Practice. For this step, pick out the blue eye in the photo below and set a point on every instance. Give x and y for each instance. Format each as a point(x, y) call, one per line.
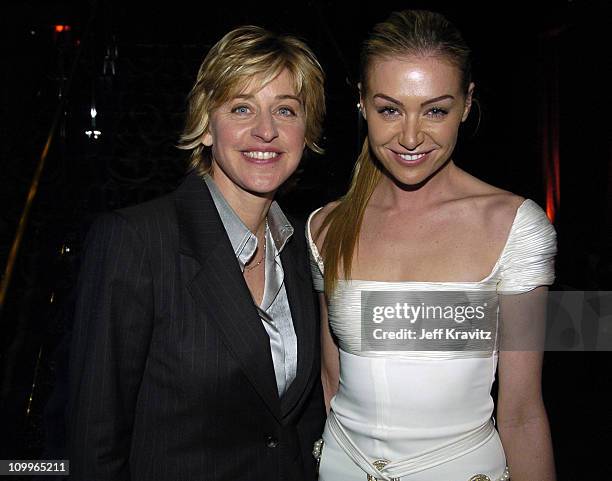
point(241, 110)
point(286, 112)
point(437, 112)
point(388, 111)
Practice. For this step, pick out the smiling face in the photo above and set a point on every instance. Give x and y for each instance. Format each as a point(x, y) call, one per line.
point(257, 137)
point(414, 106)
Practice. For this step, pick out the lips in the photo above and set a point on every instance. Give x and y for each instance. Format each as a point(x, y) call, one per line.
point(411, 159)
point(262, 156)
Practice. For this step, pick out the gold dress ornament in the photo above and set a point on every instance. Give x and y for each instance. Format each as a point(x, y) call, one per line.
point(483, 477)
point(379, 464)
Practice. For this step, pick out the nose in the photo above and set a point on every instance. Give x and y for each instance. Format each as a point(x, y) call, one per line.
point(412, 134)
point(264, 127)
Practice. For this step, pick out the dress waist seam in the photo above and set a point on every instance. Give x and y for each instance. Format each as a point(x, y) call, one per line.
point(424, 460)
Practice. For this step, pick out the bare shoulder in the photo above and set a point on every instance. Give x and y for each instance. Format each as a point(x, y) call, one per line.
point(318, 235)
point(493, 206)
point(499, 211)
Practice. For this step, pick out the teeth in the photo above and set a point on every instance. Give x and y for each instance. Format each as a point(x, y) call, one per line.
point(411, 157)
point(261, 155)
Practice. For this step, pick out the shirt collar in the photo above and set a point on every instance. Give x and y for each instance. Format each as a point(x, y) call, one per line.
point(244, 242)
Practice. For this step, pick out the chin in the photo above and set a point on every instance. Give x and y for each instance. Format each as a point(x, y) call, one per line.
point(407, 176)
point(408, 181)
point(264, 185)
point(413, 176)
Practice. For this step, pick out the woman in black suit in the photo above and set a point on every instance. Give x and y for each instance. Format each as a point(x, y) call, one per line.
point(195, 351)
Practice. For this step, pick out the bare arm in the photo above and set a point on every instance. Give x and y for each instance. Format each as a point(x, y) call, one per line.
point(330, 362)
point(521, 417)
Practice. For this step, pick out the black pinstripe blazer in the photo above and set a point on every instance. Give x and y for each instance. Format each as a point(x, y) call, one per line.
point(171, 372)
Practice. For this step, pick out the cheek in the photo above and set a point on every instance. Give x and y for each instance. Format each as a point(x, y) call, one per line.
point(380, 132)
point(295, 135)
point(449, 132)
point(228, 136)
point(444, 132)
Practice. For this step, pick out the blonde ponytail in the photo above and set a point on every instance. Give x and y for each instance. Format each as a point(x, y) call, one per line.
point(345, 220)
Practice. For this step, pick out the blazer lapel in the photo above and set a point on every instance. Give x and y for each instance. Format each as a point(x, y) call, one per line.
point(299, 293)
point(220, 290)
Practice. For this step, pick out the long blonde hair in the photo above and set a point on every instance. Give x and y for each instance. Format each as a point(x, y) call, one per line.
point(406, 33)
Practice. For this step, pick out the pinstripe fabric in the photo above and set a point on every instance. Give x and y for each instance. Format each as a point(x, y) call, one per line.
point(171, 372)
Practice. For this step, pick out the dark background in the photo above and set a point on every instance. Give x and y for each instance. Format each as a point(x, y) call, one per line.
point(529, 57)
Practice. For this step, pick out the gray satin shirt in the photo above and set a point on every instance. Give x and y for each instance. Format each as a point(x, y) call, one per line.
point(274, 309)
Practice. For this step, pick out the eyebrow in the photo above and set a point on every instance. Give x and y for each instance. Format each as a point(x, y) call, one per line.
point(427, 102)
point(278, 97)
point(289, 97)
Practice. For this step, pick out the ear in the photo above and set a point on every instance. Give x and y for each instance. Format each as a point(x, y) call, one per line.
point(361, 105)
point(468, 102)
point(207, 138)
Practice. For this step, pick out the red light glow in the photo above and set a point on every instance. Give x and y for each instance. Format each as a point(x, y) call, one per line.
point(62, 28)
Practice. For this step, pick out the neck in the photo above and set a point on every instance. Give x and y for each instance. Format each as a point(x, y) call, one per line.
point(251, 208)
point(435, 188)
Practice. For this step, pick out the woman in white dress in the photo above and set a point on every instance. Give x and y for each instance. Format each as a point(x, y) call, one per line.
point(413, 222)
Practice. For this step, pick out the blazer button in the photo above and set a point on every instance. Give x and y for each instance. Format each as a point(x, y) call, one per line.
point(271, 441)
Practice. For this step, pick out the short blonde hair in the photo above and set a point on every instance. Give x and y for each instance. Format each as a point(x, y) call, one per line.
point(241, 55)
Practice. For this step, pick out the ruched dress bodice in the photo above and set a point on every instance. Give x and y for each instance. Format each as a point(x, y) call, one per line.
point(401, 404)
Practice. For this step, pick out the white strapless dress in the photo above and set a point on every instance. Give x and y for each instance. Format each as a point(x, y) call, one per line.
point(430, 409)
